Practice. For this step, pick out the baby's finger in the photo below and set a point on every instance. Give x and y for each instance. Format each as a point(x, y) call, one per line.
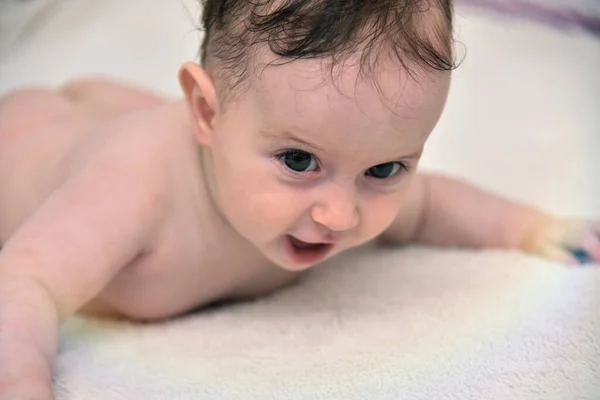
point(571, 233)
point(559, 255)
point(591, 244)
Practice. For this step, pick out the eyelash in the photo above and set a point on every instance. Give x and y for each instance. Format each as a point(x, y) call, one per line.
point(279, 158)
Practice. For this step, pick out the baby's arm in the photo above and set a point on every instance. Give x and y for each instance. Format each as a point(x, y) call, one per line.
point(448, 212)
point(64, 255)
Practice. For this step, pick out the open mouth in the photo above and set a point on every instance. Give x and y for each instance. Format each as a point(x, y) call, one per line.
point(306, 253)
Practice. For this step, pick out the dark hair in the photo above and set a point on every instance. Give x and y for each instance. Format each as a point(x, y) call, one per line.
point(419, 31)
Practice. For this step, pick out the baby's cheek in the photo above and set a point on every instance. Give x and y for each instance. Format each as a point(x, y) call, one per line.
point(261, 210)
point(380, 214)
point(273, 206)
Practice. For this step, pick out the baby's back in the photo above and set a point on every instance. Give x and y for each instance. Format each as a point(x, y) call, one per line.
point(44, 133)
point(38, 130)
point(47, 138)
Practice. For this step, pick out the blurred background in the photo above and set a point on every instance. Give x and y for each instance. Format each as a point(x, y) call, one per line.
point(523, 117)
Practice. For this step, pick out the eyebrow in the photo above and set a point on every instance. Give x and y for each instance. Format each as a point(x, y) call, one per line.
point(416, 154)
point(287, 135)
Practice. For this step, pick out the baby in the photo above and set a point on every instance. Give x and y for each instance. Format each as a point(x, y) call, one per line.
point(298, 138)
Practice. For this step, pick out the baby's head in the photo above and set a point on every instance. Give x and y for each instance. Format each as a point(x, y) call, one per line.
point(312, 115)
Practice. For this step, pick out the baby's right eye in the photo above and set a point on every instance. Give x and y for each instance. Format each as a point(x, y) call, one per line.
point(299, 161)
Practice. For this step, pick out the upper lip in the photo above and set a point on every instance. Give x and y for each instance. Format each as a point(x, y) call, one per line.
point(324, 241)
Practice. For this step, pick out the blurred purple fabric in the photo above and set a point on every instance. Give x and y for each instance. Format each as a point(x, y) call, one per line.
point(583, 15)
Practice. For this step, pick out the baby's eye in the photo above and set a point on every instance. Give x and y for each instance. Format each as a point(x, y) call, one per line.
point(386, 170)
point(299, 161)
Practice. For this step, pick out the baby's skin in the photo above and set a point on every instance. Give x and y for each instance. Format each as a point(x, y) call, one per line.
point(119, 203)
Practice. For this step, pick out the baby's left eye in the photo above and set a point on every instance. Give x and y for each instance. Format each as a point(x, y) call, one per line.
point(385, 170)
point(299, 161)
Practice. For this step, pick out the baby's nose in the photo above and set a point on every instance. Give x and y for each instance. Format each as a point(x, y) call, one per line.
point(339, 213)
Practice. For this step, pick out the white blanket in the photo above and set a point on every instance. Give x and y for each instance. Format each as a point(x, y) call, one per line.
point(405, 323)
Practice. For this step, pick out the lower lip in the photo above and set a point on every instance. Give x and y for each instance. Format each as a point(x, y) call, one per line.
point(306, 256)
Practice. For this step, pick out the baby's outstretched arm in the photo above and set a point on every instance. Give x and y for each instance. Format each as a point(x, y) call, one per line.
point(448, 212)
point(95, 224)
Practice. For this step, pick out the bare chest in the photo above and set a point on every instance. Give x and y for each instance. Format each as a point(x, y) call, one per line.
point(186, 271)
point(196, 260)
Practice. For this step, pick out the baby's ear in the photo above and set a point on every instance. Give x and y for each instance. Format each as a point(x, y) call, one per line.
point(201, 98)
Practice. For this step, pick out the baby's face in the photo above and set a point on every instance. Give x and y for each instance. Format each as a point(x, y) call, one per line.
point(304, 169)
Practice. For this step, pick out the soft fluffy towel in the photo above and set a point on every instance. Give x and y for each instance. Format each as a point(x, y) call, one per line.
point(404, 323)
point(401, 324)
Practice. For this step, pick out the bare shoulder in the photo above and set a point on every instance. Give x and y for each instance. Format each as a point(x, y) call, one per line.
point(28, 109)
point(47, 137)
point(77, 214)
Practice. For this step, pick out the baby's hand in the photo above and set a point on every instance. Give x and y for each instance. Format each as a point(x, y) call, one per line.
point(570, 241)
